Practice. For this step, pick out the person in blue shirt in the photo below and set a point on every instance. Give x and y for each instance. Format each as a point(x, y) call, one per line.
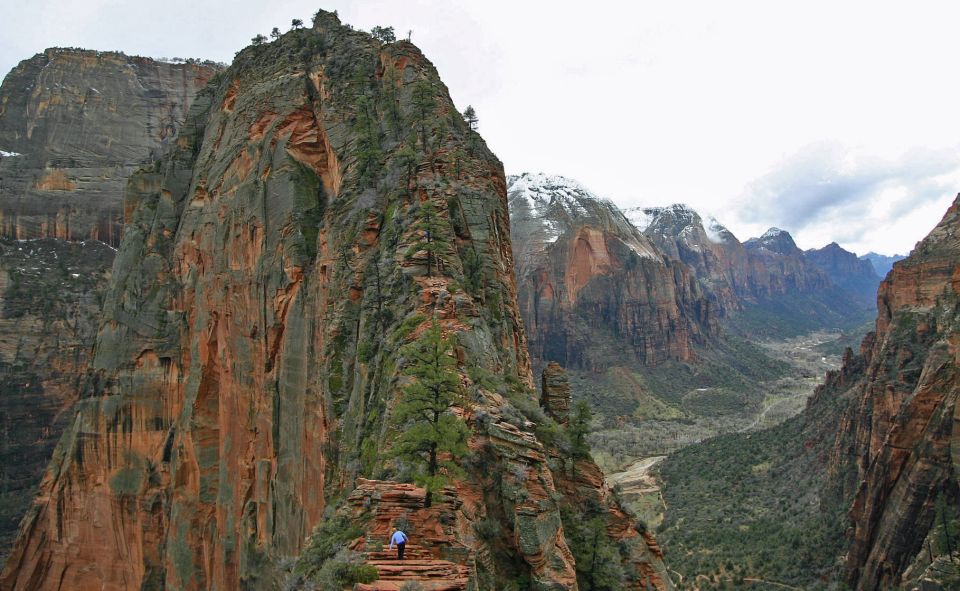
point(400, 539)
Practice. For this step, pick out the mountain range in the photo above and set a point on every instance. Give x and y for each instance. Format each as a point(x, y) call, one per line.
point(224, 288)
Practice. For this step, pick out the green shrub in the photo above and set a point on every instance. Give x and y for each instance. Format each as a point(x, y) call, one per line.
point(329, 538)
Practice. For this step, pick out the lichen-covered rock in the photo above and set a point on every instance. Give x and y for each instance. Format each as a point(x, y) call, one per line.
point(272, 267)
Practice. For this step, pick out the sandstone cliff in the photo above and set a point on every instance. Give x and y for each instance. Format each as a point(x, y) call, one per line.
point(902, 429)
point(249, 353)
point(78, 123)
point(765, 286)
point(595, 292)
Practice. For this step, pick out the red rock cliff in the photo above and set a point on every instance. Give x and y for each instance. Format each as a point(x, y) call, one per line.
point(249, 349)
point(898, 442)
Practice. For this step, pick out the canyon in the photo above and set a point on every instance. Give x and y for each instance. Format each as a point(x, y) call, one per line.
point(240, 370)
point(212, 279)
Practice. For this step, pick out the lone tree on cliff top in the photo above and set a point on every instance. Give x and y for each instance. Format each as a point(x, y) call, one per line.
point(432, 437)
point(470, 116)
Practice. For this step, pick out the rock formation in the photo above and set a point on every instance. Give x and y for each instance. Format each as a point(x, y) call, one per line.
point(76, 124)
point(593, 291)
point(323, 201)
point(73, 126)
point(555, 395)
point(902, 429)
point(846, 271)
point(766, 284)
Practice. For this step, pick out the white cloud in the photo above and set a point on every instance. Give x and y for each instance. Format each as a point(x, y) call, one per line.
point(648, 103)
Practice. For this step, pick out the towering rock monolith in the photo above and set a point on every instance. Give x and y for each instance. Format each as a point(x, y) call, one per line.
point(324, 204)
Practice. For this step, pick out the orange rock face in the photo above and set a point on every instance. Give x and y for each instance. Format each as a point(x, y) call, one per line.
point(901, 429)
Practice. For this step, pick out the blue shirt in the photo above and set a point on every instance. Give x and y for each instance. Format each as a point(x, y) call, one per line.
point(398, 537)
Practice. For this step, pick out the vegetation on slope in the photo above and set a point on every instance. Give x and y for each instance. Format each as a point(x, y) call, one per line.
point(759, 506)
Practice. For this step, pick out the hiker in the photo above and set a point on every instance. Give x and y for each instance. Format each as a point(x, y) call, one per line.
point(400, 539)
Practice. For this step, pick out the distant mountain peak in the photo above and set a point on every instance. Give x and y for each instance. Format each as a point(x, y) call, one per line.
point(774, 240)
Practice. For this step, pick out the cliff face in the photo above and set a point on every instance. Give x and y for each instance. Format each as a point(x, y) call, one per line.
point(50, 302)
point(593, 290)
point(902, 429)
point(786, 268)
point(272, 266)
point(765, 285)
point(79, 123)
point(846, 271)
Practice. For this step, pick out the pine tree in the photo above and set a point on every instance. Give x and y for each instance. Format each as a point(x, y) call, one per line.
point(432, 437)
point(258, 40)
point(383, 34)
point(470, 116)
point(407, 158)
point(369, 153)
point(296, 23)
point(423, 105)
point(578, 430)
point(430, 237)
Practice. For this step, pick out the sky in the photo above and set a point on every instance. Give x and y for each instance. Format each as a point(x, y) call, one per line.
point(836, 121)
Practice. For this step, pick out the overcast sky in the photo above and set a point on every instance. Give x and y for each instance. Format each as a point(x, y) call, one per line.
point(833, 120)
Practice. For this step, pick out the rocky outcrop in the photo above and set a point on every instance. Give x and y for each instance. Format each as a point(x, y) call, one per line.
point(902, 429)
point(555, 395)
point(593, 291)
point(78, 123)
point(323, 202)
point(846, 271)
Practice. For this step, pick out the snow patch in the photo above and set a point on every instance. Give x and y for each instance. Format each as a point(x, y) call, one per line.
point(5, 154)
point(640, 218)
point(772, 233)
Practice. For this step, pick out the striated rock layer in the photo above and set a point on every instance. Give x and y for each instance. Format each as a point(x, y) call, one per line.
point(897, 441)
point(78, 124)
point(271, 268)
point(74, 125)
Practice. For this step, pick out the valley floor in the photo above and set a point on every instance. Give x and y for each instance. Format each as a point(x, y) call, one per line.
point(723, 509)
point(635, 473)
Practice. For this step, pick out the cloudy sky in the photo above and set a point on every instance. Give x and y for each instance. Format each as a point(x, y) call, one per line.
point(834, 120)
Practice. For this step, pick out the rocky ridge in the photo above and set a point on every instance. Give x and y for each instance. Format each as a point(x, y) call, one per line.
point(846, 271)
point(902, 426)
point(242, 369)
